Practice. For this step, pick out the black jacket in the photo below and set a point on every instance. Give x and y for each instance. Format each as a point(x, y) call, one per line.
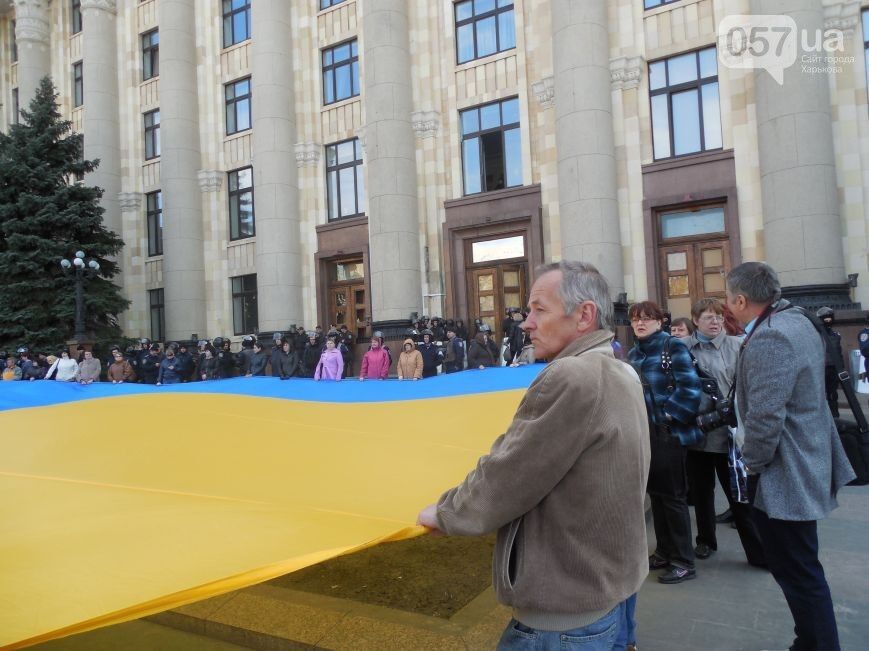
point(482, 354)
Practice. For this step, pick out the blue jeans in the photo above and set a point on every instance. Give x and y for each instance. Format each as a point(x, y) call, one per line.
point(612, 631)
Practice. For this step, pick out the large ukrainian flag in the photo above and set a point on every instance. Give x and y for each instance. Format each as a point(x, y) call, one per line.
point(119, 501)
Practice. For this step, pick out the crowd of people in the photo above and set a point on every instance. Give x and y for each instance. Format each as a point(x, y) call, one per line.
point(431, 346)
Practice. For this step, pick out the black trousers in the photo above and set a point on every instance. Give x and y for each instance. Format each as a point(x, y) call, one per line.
point(831, 384)
point(668, 492)
point(702, 469)
point(791, 549)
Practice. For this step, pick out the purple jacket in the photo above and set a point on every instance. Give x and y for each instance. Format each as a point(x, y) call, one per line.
point(330, 365)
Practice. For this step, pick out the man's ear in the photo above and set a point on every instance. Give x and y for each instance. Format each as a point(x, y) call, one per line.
point(586, 316)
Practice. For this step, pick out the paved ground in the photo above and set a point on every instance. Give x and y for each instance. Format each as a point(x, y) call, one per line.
point(729, 607)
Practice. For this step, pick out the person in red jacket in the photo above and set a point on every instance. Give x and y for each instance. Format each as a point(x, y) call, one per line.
point(376, 362)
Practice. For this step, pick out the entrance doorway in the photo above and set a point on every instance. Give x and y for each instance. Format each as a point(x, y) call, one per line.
point(497, 280)
point(692, 263)
point(348, 297)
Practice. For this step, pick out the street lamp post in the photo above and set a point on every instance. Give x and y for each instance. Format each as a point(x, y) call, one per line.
point(79, 268)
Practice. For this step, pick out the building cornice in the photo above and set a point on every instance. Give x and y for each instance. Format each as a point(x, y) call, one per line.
point(308, 154)
point(626, 72)
point(544, 92)
point(210, 180)
point(129, 201)
point(843, 15)
point(100, 5)
point(426, 124)
point(31, 21)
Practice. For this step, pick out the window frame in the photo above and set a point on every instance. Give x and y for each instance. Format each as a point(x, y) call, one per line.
point(235, 196)
point(150, 53)
point(357, 164)
point(157, 301)
point(502, 128)
point(152, 134)
point(154, 222)
point(659, 3)
point(494, 13)
point(669, 91)
point(77, 84)
point(230, 16)
point(233, 105)
point(240, 294)
point(328, 4)
point(332, 67)
point(75, 18)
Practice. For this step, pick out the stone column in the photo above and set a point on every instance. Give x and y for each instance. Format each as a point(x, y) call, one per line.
point(278, 248)
point(802, 231)
point(34, 56)
point(183, 263)
point(587, 186)
point(390, 161)
point(101, 124)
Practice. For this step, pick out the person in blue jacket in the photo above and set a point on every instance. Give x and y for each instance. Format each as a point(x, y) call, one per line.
point(672, 391)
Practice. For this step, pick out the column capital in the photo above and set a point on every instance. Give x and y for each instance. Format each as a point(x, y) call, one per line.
point(31, 21)
point(625, 72)
point(210, 180)
point(544, 92)
point(102, 5)
point(129, 201)
point(843, 15)
point(426, 124)
point(308, 153)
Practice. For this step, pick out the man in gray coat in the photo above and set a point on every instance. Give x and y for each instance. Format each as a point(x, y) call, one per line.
point(792, 449)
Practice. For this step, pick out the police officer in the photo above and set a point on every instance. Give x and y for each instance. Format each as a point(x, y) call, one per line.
point(140, 355)
point(833, 347)
point(185, 362)
point(169, 371)
point(246, 354)
point(149, 365)
point(431, 354)
point(310, 355)
point(226, 363)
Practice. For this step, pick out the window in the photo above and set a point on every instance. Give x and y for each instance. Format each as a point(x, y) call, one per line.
point(13, 42)
point(158, 314)
point(325, 4)
point(241, 219)
point(237, 106)
point(345, 183)
point(651, 4)
point(340, 72)
point(690, 223)
point(504, 248)
point(491, 148)
point(236, 21)
point(154, 215)
point(75, 17)
point(244, 310)
point(686, 115)
point(150, 54)
point(77, 84)
point(866, 41)
point(483, 27)
point(152, 134)
point(14, 116)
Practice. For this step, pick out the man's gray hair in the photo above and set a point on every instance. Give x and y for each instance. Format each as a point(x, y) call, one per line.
point(580, 282)
point(757, 281)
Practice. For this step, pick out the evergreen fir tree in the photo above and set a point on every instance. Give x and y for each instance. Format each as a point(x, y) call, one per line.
point(46, 215)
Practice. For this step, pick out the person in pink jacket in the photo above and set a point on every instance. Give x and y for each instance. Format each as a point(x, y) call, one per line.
point(375, 363)
point(331, 363)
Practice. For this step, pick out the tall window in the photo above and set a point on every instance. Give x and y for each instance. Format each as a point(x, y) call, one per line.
point(77, 84)
point(651, 4)
point(325, 4)
point(484, 27)
point(150, 54)
point(244, 308)
point(686, 113)
point(866, 42)
point(13, 42)
point(241, 218)
point(345, 184)
point(158, 314)
point(76, 16)
point(154, 214)
point(14, 116)
point(340, 72)
point(152, 134)
point(237, 106)
point(491, 147)
point(236, 21)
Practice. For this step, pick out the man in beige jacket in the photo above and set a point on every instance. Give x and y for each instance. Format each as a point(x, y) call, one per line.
point(565, 485)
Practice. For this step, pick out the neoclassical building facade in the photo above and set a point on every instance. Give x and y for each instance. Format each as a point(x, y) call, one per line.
point(278, 162)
